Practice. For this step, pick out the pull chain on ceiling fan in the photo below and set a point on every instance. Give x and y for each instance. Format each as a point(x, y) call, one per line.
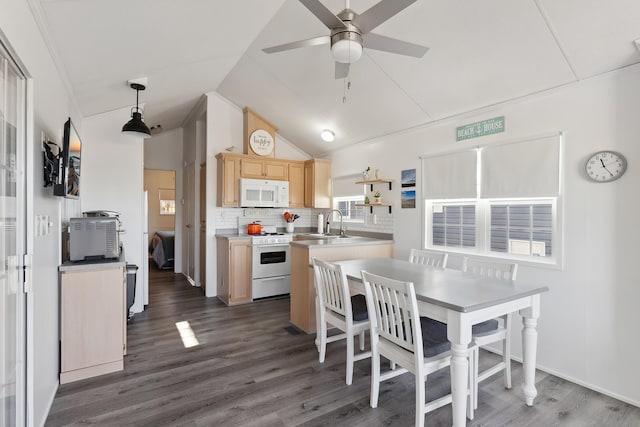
point(350, 33)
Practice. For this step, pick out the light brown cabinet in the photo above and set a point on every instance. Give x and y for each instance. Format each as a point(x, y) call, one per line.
point(258, 168)
point(228, 180)
point(317, 183)
point(296, 184)
point(93, 327)
point(309, 181)
point(234, 270)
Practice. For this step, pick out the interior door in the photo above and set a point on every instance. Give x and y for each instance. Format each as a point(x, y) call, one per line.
point(12, 244)
point(203, 226)
point(190, 220)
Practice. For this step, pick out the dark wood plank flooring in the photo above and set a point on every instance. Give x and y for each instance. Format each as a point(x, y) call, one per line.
point(249, 370)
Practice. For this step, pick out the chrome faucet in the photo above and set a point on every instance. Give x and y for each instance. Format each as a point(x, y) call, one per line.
point(328, 216)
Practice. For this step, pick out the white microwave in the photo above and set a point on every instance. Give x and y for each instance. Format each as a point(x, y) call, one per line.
point(264, 193)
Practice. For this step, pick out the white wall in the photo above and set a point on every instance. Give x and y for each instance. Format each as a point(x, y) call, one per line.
point(588, 327)
point(224, 129)
point(52, 106)
point(164, 152)
point(112, 179)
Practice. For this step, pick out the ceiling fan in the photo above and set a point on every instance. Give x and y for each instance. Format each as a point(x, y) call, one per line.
point(350, 32)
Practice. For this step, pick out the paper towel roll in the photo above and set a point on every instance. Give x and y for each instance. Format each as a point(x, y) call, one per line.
point(320, 223)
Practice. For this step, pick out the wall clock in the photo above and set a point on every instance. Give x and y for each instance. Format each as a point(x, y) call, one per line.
point(606, 166)
point(261, 142)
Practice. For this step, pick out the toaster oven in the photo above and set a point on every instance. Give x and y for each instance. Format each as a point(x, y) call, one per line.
point(94, 238)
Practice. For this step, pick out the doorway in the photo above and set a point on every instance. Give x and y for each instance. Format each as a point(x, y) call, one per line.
point(160, 187)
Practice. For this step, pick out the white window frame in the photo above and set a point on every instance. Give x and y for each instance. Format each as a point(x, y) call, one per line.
point(483, 229)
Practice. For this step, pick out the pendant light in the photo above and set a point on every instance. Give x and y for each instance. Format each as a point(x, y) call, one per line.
point(136, 125)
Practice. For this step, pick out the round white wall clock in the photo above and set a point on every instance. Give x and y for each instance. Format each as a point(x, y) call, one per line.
point(606, 166)
point(261, 142)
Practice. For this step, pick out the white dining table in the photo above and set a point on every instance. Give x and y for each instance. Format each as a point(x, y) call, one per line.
point(462, 300)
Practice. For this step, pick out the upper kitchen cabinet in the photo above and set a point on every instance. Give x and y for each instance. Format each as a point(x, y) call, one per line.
point(260, 168)
point(228, 179)
point(317, 183)
point(296, 184)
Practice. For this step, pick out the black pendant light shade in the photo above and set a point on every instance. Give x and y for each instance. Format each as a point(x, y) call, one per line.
point(136, 125)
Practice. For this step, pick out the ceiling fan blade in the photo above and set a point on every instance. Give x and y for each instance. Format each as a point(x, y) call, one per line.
point(342, 70)
point(388, 44)
point(323, 14)
point(316, 41)
point(378, 13)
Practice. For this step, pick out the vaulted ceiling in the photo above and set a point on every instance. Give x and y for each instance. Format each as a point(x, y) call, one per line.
point(480, 53)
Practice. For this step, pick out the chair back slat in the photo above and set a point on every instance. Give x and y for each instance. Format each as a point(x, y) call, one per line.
point(331, 287)
point(432, 258)
point(498, 270)
point(396, 311)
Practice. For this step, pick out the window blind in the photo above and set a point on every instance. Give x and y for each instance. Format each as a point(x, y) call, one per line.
point(450, 176)
point(346, 186)
point(523, 169)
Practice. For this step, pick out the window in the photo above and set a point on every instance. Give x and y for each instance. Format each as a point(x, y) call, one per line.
point(522, 229)
point(167, 207)
point(454, 225)
point(511, 228)
point(347, 205)
point(167, 197)
point(500, 200)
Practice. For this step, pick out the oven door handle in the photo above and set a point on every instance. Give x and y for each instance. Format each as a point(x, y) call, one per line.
point(284, 245)
point(274, 278)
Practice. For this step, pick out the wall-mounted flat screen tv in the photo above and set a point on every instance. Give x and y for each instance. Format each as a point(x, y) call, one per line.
point(68, 182)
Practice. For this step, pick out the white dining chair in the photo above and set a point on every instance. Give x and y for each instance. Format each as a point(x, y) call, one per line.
point(494, 330)
point(426, 257)
point(402, 336)
point(336, 307)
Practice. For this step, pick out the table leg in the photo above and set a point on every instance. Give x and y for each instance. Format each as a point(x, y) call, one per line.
point(529, 349)
point(459, 333)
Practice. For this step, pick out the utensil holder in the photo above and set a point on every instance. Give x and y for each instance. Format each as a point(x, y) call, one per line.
point(290, 227)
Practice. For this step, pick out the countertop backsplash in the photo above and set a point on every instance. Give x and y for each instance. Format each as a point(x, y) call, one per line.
point(228, 218)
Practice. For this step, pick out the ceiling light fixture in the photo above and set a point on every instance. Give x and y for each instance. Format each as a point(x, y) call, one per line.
point(327, 135)
point(346, 47)
point(136, 125)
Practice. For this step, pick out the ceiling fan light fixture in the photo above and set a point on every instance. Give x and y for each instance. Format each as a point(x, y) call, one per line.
point(136, 126)
point(346, 47)
point(327, 135)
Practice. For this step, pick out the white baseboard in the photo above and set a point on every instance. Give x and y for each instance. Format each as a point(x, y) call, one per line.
point(573, 380)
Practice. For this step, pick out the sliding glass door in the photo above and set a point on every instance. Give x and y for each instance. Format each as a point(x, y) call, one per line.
point(12, 243)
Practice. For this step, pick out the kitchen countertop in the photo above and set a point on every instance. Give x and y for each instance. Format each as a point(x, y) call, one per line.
point(340, 241)
point(94, 264)
point(314, 239)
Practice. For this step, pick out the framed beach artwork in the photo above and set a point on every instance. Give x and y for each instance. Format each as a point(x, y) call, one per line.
point(408, 184)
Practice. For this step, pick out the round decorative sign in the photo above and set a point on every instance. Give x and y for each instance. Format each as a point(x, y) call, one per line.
point(261, 142)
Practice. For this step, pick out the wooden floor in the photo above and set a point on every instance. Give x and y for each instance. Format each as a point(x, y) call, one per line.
point(249, 370)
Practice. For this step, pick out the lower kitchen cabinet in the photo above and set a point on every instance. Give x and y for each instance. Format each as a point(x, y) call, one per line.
point(93, 326)
point(234, 270)
point(303, 292)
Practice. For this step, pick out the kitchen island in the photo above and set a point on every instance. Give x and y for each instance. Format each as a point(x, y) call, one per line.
point(303, 294)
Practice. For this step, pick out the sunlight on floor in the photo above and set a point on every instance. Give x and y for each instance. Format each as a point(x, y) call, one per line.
point(186, 333)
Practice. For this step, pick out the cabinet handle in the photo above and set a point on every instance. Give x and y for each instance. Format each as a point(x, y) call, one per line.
point(273, 278)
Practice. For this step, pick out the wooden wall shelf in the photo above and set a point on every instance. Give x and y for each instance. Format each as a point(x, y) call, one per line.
point(371, 182)
point(372, 205)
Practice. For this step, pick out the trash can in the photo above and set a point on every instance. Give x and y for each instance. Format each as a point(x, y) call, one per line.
point(132, 271)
